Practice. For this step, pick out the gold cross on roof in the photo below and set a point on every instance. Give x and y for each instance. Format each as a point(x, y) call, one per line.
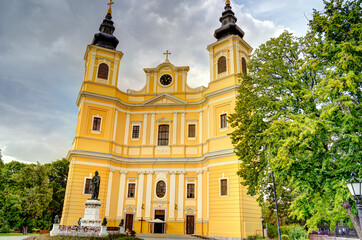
point(167, 53)
point(110, 6)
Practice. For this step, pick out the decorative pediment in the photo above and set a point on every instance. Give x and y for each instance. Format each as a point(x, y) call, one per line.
point(164, 98)
point(166, 64)
point(164, 120)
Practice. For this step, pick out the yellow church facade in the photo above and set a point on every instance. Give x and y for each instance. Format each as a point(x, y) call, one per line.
point(166, 162)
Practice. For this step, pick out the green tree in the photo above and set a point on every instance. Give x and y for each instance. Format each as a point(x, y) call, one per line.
point(1, 160)
point(58, 176)
point(31, 194)
point(298, 114)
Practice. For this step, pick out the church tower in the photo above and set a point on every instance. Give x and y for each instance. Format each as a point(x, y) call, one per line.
point(163, 153)
point(229, 54)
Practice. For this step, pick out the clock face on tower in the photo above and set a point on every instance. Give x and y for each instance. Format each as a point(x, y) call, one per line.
point(166, 79)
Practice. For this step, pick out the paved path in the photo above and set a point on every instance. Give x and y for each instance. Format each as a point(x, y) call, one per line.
point(146, 236)
point(14, 237)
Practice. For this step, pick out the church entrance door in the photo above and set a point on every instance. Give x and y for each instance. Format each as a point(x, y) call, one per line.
point(129, 222)
point(159, 227)
point(190, 224)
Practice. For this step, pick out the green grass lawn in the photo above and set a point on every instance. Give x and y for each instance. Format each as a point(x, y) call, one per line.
point(16, 234)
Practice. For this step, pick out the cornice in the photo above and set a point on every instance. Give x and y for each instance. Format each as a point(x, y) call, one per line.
point(229, 38)
point(154, 161)
point(142, 105)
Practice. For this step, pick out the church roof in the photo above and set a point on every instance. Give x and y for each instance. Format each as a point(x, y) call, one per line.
point(228, 21)
point(105, 36)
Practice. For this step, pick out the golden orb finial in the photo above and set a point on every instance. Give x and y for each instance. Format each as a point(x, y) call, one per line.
point(227, 2)
point(110, 7)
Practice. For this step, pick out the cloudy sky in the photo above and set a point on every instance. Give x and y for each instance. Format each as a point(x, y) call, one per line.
point(43, 43)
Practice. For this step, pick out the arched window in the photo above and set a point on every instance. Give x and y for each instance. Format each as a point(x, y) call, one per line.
point(221, 65)
point(243, 66)
point(163, 131)
point(103, 71)
point(161, 189)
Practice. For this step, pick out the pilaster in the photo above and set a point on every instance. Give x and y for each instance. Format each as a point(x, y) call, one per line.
point(144, 135)
point(126, 128)
point(109, 189)
point(182, 135)
point(141, 175)
point(200, 127)
point(122, 182)
point(115, 125)
point(152, 132)
point(172, 194)
point(174, 132)
point(199, 194)
point(180, 204)
point(148, 195)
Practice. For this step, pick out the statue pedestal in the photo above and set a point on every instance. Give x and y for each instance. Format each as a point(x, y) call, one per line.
point(121, 229)
point(91, 213)
point(103, 232)
point(55, 231)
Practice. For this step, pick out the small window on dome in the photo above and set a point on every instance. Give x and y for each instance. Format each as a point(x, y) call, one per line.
point(243, 66)
point(103, 71)
point(221, 65)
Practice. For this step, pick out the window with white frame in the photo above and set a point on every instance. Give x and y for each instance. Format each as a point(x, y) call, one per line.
point(190, 190)
point(243, 66)
point(163, 135)
point(223, 187)
point(96, 124)
point(103, 70)
point(223, 120)
point(191, 131)
point(87, 186)
point(221, 65)
point(131, 193)
point(136, 131)
point(161, 189)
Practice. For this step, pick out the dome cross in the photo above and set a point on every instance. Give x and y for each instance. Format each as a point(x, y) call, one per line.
point(110, 6)
point(167, 53)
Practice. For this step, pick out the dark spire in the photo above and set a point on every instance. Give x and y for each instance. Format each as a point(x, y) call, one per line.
point(228, 24)
point(105, 36)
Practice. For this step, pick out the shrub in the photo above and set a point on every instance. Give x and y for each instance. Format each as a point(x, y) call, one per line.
point(5, 228)
point(296, 232)
point(285, 237)
point(254, 237)
point(272, 231)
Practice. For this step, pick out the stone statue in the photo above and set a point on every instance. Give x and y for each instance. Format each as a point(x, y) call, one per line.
point(56, 219)
point(104, 223)
point(121, 223)
point(96, 180)
point(79, 222)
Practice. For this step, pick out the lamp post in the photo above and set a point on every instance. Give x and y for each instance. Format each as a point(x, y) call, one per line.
point(262, 225)
point(354, 186)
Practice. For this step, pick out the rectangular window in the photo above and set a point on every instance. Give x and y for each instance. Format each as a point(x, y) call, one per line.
point(223, 187)
point(131, 190)
point(136, 131)
point(96, 124)
point(87, 186)
point(191, 130)
point(163, 132)
point(223, 120)
point(191, 190)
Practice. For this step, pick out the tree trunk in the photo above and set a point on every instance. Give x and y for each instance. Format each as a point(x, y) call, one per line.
point(355, 220)
point(25, 230)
